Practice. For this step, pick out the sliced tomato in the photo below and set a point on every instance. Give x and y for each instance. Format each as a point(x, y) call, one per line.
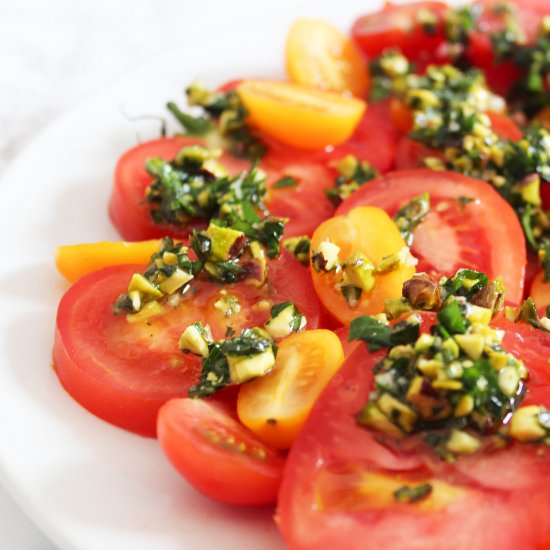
point(75, 260)
point(275, 406)
point(483, 234)
point(371, 234)
point(320, 55)
point(128, 209)
point(300, 116)
point(123, 372)
point(306, 204)
point(217, 455)
point(400, 26)
point(340, 477)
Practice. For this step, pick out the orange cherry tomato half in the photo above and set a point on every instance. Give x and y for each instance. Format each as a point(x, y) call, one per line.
point(369, 231)
point(299, 115)
point(320, 55)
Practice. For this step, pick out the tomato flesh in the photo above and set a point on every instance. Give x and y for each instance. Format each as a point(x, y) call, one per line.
point(398, 26)
point(217, 455)
point(339, 479)
point(124, 372)
point(484, 234)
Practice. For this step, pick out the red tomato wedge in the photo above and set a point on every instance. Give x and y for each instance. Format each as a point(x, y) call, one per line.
point(216, 454)
point(123, 372)
point(128, 209)
point(400, 26)
point(337, 489)
point(483, 234)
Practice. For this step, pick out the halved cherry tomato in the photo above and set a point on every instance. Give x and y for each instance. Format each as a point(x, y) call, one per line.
point(75, 260)
point(540, 290)
point(275, 406)
point(370, 232)
point(320, 55)
point(128, 208)
point(299, 115)
point(340, 477)
point(218, 456)
point(483, 234)
point(401, 27)
point(374, 140)
point(123, 372)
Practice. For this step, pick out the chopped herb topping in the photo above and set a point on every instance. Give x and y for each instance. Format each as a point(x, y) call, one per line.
point(485, 297)
point(412, 494)
point(284, 182)
point(528, 313)
point(194, 185)
point(353, 174)
point(388, 72)
point(411, 215)
point(235, 361)
point(299, 248)
point(223, 112)
point(167, 275)
point(379, 335)
point(455, 379)
point(238, 359)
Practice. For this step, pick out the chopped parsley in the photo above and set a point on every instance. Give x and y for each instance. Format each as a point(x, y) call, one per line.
point(352, 175)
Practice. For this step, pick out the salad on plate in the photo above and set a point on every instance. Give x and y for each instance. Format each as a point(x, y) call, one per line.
point(330, 294)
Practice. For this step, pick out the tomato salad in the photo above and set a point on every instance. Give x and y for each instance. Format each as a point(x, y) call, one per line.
point(331, 294)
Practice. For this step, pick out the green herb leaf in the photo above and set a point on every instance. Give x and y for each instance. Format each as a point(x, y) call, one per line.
point(284, 182)
point(452, 319)
point(412, 494)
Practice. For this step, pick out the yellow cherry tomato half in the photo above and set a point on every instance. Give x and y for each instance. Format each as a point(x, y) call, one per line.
point(299, 115)
point(540, 291)
point(276, 405)
point(320, 55)
point(75, 260)
point(369, 233)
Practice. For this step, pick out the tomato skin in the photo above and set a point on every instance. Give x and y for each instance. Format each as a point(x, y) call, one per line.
point(396, 26)
point(122, 374)
point(489, 237)
point(128, 208)
point(217, 469)
point(493, 485)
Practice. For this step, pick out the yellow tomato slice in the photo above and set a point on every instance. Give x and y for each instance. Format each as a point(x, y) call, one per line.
point(299, 115)
point(276, 406)
point(369, 231)
point(74, 261)
point(540, 291)
point(320, 55)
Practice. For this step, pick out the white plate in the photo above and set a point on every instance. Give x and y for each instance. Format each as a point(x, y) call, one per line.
point(85, 483)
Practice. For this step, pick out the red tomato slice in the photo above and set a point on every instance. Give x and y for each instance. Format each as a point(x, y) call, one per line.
point(307, 204)
point(502, 75)
point(484, 234)
point(322, 501)
point(124, 372)
point(399, 26)
point(217, 455)
point(128, 209)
